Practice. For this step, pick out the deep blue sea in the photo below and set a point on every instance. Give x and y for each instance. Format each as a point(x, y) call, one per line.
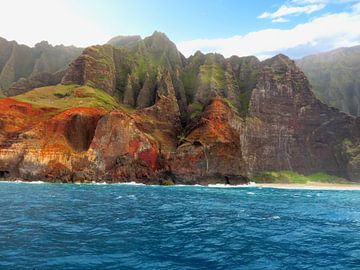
point(63, 226)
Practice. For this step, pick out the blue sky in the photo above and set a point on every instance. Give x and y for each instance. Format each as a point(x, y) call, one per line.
point(262, 28)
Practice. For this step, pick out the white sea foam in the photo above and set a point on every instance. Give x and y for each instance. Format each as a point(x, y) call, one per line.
point(118, 183)
point(6, 182)
point(130, 184)
point(98, 183)
point(251, 184)
point(250, 193)
point(181, 185)
point(35, 182)
point(24, 182)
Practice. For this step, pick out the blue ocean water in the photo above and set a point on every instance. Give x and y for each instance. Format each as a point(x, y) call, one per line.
point(55, 226)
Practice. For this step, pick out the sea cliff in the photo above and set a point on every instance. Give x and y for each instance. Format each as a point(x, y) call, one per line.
point(143, 112)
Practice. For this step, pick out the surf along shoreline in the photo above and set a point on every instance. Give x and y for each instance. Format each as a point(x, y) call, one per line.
point(309, 185)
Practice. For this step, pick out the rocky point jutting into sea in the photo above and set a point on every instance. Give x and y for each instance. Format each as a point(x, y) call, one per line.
point(138, 110)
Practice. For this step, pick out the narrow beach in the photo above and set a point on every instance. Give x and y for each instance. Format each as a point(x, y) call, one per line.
point(311, 185)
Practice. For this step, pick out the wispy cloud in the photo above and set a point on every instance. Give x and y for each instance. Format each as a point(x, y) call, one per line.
point(323, 33)
point(285, 10)
point(280, 20)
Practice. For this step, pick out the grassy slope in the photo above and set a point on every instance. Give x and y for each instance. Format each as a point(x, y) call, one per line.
point(63, 97)
point(290, 177)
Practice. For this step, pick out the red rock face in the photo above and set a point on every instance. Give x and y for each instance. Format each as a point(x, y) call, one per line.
point(82, 143)
point(45, 143)
point(123, 151)
point(136, 146)
point(75, 126)
point(212, 149)
point(17, 117)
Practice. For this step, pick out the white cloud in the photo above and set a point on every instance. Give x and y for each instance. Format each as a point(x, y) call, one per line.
point(280, 20)
point(291, 10)
point(264, 15)
point(58, 22)
point(329, 31)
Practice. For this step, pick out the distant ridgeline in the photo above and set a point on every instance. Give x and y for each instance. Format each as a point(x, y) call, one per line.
point(335, 77)
point(138, 110)
point(23, 68)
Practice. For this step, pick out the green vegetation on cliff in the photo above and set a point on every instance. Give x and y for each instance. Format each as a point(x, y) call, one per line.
point(212, 76)
point(351, 150)
point(130, 71)
point(290, 177)
point(63, 97)
point(195, 109)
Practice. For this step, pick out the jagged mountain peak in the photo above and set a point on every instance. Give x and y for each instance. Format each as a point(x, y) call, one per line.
point(159, 35)
point(250, 58)
point(159, 41)
point(279, 60)
point(42, 44)
point(123, 41)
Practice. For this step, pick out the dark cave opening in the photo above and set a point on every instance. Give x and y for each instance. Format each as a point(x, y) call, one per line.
point(4, 174)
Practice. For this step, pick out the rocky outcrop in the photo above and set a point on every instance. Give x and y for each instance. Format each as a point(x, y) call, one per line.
point(211, 75)
point(132, 86)
point(289, 129)
point(147, 93)
point(137, 146)
point(123, 151)
point(132, 72)
point(44, 147)
point(95, 67)
point(210, 150)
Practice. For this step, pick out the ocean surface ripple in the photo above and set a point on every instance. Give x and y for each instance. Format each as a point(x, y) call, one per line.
point(58, 226)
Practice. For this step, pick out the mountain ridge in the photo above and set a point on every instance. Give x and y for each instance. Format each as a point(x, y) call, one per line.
point(34, 66)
